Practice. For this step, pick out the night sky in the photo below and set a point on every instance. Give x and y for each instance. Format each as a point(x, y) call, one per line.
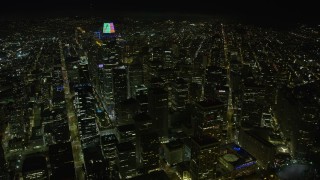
point(259, 11)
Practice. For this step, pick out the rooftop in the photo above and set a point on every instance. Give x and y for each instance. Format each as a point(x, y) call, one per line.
point(207, 104)
point(260, 139)
point(158, 90)
point(172, 145)
point(205, 141)
point(33, 163)
point(238, 156)
point(141, 117)
point(125, 146)
point(125, 128)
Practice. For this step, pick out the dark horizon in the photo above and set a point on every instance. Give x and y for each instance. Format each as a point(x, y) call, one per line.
point(262, 13)
point(157, 90)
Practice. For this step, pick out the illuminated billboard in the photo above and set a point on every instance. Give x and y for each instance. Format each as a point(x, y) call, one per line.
point(108, 28)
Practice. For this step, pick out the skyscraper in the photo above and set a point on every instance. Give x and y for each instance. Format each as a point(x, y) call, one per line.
point(216, 84)
point(94, 163)
point(108, 145)
point(149, 154)
point(208, 119)
point(168, 60)
point(135, 77)
point(106, 77)
point(158, 110)
point(61, 161)
point(119, 84)
point(204, 154)
point(180, 94)
point(35, 167)
point(84, 106)
point(260, 148)
point(253, 103)
point(126, 161)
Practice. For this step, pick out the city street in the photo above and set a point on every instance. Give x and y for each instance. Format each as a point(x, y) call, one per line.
point(73, 122)
point(230, 111)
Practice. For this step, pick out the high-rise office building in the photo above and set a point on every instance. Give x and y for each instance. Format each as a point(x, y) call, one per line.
point(119, 84)
point(84, 75)
point(125, 133)
point(149, 151)
point(208, 119)
point(173, 152)
point(155, 63)
point(106, 78)
point(126, 110)
point(140, 90)
point(167, 74)
point(217, 52)
point(35, 167)
point(142, 122)
point(204, 154)
point(301, 106)
point(108, 144)
point(135, 77)
point(94, 163)
point(253, 104)
point(180, 92)
point(158, 110)
point(194, 92)
point(61, 161)
point(258, 147)
point(84, 106)
point(157, 54)
point(87, 130)
point(168, 59)
point(156, 82)
point(142, 100)
point(216, 84)
point(126, 153)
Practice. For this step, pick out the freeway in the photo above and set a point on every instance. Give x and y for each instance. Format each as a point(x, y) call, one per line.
point(72, 121)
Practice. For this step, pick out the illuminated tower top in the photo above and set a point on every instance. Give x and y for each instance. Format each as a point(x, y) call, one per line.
point(108, 28)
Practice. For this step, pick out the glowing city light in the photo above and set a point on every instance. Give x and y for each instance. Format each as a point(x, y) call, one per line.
point(236, 148)
point(108, 28)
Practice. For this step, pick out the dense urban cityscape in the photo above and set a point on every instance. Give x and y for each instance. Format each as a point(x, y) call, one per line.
point(142, 98)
